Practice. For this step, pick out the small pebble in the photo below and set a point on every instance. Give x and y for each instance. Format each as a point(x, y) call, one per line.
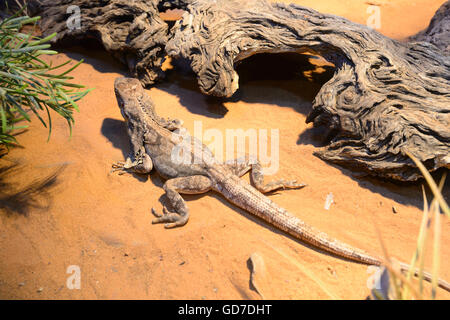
point(40, 290)
point(332, 271)
point(328, 201)
point(394, 209)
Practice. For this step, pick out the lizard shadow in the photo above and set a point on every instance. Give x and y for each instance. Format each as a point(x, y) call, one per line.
point(116, 132)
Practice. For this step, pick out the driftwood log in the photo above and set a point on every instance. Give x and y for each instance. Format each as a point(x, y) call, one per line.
point(164, 5)
point(386, 98)
point(438, 32)
point(132, 31)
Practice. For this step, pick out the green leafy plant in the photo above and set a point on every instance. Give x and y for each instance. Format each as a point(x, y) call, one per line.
point(28, 83)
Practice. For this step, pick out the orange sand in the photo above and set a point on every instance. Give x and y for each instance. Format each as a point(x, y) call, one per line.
point(100, 221)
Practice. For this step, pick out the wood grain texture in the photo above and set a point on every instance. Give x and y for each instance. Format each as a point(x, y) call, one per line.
point(173, 4)
point(385, 97)
point(438, 32)
point(132, 31)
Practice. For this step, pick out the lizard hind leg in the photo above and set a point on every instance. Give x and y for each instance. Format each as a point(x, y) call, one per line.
point(173, 188)
point(242, 165)
point(257, 176)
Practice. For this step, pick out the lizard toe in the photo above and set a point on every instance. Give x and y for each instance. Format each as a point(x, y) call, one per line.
point(179, 223)
point(168, 212)
point(156, 213)
point(294, 185)
point(171, 217)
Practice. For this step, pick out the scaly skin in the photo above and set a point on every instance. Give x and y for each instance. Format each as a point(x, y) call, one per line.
point(153, 140)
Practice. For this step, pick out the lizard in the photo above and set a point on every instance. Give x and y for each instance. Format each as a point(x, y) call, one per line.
point(153, 140)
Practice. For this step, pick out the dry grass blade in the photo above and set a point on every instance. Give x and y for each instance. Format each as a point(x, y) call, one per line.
point(420, 241)
point(306, 271)
point(403, 286)
point(436, 251)
point(434, 188)
point(437, 244)
point(397, 278)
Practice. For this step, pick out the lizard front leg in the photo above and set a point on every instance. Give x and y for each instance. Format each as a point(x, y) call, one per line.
point(138, 160)
point(173, 188)
point(241, 167)
point(170, 124)
point(142, 164)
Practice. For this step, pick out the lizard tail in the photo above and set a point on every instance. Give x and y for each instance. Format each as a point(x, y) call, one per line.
point(404, 268)
point(248, 198)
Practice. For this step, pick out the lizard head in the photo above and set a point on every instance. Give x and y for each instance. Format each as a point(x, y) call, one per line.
point(129, 93)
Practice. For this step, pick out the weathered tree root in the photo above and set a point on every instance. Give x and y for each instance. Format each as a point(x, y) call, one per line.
point(131, 30)
point(438, 32)
point(385, 98)
point(173, 4)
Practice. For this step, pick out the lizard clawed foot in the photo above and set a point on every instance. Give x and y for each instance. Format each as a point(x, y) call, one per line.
point(119, 166)
point(171, 219)
point(174, 124)
point(280, 185)
point(142, 165)
point(292, 184)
